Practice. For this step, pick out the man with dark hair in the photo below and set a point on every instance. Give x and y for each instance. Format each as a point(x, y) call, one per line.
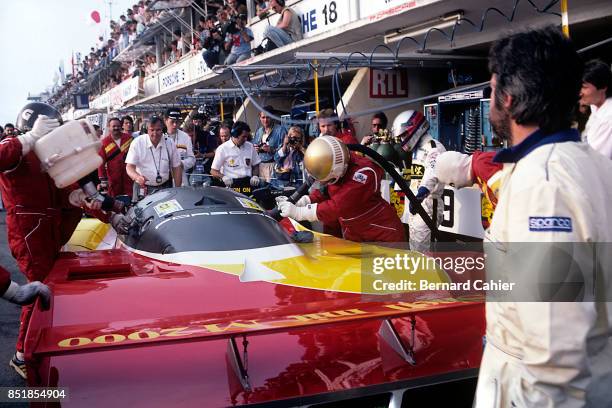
point(288, 28)
point(597, 92)
point(379, 123)
point(112, 173)
point(538, 352)
point(236, 158)
point(9, 130)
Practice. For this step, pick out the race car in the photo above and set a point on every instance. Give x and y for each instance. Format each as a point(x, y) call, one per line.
point(210, 301)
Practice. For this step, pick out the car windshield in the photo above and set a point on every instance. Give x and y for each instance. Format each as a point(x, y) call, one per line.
point(202, 219)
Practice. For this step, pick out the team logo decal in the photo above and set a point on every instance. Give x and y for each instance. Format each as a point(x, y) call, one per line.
point(360, 178)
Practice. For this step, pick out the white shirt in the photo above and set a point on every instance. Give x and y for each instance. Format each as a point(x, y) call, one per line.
point(598, 130)
point(549, 354)
point(185, 150)
point(234, 161)
point(153, 161)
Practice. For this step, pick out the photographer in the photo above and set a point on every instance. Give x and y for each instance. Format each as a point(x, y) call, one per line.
point(268, 138)
point(239, 37)
point(212, 43)
point(289, 159)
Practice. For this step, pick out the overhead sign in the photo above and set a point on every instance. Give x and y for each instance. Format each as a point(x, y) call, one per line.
point(388, 83)
point(174, 75)
point(81, 101)
point(316, 16)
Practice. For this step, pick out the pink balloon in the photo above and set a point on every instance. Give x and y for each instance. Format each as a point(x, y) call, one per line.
point(95, 16)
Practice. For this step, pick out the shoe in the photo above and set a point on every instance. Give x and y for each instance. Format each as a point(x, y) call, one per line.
point(258, 51)
point(19, 366)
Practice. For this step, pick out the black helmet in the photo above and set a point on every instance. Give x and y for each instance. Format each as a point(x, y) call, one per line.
point(29, 113)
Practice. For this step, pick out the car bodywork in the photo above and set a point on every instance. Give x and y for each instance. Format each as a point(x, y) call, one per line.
point(209, 302)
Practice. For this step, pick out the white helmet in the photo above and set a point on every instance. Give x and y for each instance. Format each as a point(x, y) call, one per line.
point(326, 159)
point(410, 126)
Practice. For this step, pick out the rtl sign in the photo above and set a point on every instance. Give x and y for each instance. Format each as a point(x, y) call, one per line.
point(388, 83)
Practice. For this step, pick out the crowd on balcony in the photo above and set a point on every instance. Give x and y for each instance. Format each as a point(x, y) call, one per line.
point(222, 37)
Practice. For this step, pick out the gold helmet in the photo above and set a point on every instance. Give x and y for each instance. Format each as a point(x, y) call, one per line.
point(326, 159)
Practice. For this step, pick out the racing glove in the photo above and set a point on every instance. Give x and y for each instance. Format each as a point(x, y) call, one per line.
point(227, 181)
point(41, 127)
point(254, 181)
point(304, 200)
point(421, 195)
point(26, 294)
point(306, 213)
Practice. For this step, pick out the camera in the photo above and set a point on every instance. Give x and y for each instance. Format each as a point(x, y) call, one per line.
point(293, 141)
point(232, 27)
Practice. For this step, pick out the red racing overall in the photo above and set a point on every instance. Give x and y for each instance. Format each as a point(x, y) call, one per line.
point(113, 168)
point(355, 202)
point(39, 217)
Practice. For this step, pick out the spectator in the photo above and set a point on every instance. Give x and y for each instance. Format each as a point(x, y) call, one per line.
point(224, 133)
point(207, 143)
point(127, 123)
point(181, 140)
point(288, 29)
point(213, 48)
point(289, 159)
point(240, 41)
point(597, 92)
point(9, 130)
point(112, 173)
point(261, 8)
point(379, 124)
point(181, 45)
point(268, 138)
point(153, 161)
point(236, 158)
point(331, 127)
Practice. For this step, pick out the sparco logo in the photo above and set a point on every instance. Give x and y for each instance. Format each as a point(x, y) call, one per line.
point(562, 224)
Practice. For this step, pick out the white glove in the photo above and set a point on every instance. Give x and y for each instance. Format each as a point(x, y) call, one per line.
point(227, 181)
point(280, 199)
point(303, 201)
point(254, 181)
point(26, 294)
point(41, 127)
point(121, 223)
point(307, 213)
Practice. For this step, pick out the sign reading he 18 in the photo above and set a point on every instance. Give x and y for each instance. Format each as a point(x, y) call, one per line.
point(317, 19)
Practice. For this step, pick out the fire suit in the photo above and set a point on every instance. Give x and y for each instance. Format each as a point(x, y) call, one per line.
point(549, 354)
point(355, 202)
point(347, 136)
point(39, 217)
point(113, 168)
point(598, 130)
point(422, 174)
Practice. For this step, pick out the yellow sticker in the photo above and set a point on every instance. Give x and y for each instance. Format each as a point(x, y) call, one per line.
point(246, 203)
point(167, 207)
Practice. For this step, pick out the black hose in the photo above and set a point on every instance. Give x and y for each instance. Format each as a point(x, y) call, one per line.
point(293, 198)
point(388, 167)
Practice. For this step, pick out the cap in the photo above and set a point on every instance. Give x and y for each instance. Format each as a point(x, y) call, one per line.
point(173, 113)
